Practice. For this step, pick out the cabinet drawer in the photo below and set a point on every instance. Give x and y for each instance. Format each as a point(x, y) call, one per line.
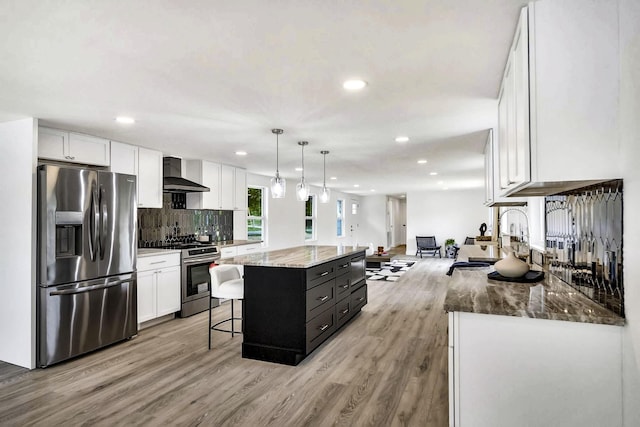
point(320, 328)
point(343, 266)
point(343, 311)
point(155, 262)
point(320, 273)
point(228, 252)
point(358, 299)
point(249, 249)
point(342, 286)
point(319, 298)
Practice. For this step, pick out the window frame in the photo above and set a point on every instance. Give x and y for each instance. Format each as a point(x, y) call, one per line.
point(313, 218)
point(263, 208)
point(340, 219)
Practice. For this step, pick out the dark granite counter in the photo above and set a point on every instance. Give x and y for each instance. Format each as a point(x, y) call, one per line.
point(471, 291)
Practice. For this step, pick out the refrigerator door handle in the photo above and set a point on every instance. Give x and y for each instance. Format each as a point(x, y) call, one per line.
point(103, 222)
point(89, 288)
point(94, 224)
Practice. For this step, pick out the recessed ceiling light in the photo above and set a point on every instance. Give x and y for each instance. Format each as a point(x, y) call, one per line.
point(440, 182)
point(334, 177)
point(433, 173)
point(356, 185)
point(125, 120)
point(241, 153)
point(372, 190)
point(354, 84)
point(402, 139)
point(422, 161)
point(298, 169)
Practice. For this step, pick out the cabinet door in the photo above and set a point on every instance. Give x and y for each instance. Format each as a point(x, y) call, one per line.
point(227, 187)
point(488, 169)
point(149, 178)
point(146, 296)
point(124, 158)
point(89, 149)
point(519, 166)
point(52, 144)
point(211, 178)
point(228, 252)
point(240, 198)
point(240, 225)
point(168, 291)
point(503, 128)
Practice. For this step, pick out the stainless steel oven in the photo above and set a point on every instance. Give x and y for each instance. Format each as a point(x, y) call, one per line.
point(196, 281)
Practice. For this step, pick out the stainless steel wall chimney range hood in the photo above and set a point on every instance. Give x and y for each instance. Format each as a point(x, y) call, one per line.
point(173, 182)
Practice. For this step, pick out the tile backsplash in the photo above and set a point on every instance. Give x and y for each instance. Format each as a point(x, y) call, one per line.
point(161, 227)
point(584, 242)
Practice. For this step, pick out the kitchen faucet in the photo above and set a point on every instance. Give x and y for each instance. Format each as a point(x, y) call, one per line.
point(521, 236)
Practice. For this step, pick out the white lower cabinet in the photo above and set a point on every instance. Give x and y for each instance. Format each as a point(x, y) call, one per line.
point(158, 286)
point(516, 371)
point(248, 249)
point(228, 251)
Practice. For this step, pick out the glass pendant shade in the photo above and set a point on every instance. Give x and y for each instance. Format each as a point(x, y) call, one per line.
point(278, 187)
point(278, 184)
point(302, 189)
point(325, 194)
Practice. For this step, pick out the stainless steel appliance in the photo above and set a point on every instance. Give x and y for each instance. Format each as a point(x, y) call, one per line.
point(196, 281)
point(86, 261)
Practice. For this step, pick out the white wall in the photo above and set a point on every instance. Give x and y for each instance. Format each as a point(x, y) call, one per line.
point(630, 146)
point(18, 142)
point(285, 217)
point(444, 214)
point(373, 228)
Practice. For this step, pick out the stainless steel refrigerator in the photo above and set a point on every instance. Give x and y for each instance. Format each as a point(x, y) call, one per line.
point(87, 296)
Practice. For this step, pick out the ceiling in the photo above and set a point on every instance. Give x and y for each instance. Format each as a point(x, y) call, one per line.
point(206, 78)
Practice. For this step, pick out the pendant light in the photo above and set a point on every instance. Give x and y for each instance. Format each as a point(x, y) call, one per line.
point(325, 194)
point(302, 189)
point(278, 184)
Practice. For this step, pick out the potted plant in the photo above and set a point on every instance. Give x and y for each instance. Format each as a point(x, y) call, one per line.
point(450, 248)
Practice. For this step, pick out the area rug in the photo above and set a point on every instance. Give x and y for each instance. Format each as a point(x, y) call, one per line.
point(390, 271)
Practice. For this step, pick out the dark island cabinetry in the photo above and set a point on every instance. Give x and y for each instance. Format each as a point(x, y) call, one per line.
point(289, 311)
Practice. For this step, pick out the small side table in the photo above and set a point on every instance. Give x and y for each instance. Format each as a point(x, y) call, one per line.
point(375, 261)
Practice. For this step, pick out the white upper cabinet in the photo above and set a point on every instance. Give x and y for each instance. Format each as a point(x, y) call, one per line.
point(228, 186)
point(558, 103)
point(149, 178)
point(492, 176)
point(73, 147)
point(240, 185)
point(124, 158)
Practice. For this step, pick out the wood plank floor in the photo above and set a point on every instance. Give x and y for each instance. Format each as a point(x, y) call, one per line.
point(388, 367)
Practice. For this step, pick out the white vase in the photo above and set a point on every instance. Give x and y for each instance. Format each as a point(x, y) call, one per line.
point(511, 266)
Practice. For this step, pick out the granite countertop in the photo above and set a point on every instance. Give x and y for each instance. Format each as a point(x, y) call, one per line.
point(471, 291)
point(297, 257)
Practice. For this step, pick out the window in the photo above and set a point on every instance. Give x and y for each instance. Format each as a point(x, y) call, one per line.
point(256, 219)
point(340, 216)
point(310, 218)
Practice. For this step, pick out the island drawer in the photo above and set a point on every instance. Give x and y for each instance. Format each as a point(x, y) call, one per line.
point(320, 328)
point(319, 298)
point(154, 262)
point(343, 311)
point(358, 298)
point(343, 266)
point(318, 274)
point(342, 286)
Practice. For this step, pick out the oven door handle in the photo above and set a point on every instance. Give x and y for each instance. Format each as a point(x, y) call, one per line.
point(199, 261)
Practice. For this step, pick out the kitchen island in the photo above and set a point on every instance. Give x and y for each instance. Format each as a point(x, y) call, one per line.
point(530, 353)
point(296, 298)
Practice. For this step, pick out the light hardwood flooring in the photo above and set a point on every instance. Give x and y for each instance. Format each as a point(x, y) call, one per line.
point(388, 367)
